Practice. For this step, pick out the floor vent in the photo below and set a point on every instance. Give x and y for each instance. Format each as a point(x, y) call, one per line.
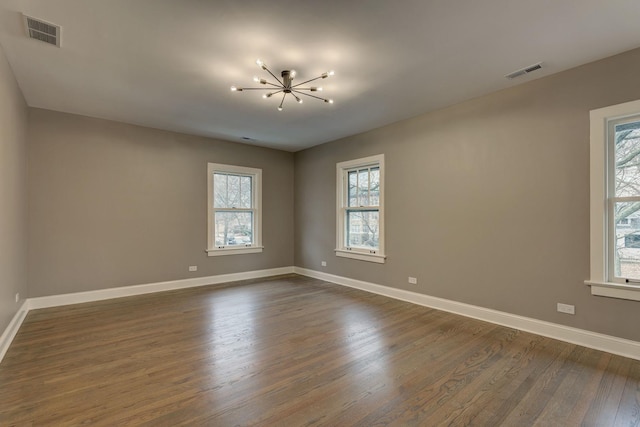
point(42, 31)
point(523, 71)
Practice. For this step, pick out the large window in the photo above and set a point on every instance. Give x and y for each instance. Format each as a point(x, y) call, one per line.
point(624, 200)
point(615, 201)
point(234, 210)
point(360, 212)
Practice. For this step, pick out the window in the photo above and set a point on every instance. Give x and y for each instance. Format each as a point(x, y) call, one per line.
point(360, 209)
point(234, 202)
point(615, 201)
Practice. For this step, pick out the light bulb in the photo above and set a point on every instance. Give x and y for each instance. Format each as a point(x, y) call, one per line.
point(256, 79)
point(293, 73)
point(329, 101)
point(260, 63)
point(233, 88)
point(265, 96)
point(279, 108)
point(316, 89)
point(332, 73)
point(299, 100)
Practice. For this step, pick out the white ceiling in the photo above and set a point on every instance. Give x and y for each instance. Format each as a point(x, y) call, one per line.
point(169, 64)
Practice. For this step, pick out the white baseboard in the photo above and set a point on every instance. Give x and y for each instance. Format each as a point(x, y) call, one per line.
point(610, 344)
point(126, 291)
point(102, 294)
point(12, 329)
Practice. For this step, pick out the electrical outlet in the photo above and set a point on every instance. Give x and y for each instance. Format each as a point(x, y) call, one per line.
point(324, 263)
point(413, 280)
point(17, 297)
point(193, 268)
point(566, 308)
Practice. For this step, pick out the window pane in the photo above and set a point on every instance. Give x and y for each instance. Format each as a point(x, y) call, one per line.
point(363, 229)
point(363, 187)
point(627, 158)
point(353, 188)
point(234, 191)
point(245, 192)
point(627, 240)
point(220, 190)
point(233, 228)
point(374, 187)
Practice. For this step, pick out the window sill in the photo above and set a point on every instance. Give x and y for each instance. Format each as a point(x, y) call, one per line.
point(362, 256)
point(234, 251)
point(614, 290)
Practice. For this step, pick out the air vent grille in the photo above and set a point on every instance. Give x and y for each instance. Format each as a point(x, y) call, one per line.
point(523, 71)
point(42, 31)
point(533, 68)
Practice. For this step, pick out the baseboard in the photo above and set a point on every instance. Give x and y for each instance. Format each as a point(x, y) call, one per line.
point(126, 291)
point(102, 294)
point(12, 329)
point(610, 344)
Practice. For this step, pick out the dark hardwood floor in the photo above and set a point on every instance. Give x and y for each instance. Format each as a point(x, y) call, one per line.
point(295, 351)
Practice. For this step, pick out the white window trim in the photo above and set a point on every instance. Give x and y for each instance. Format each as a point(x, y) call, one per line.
point(362, 254)
point(599, 280)
point(256, 193)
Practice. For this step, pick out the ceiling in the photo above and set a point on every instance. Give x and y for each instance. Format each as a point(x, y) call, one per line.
point(169, 64)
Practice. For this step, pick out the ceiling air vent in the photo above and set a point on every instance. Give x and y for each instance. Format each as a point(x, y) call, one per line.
point(523, 71)
point(43, 31)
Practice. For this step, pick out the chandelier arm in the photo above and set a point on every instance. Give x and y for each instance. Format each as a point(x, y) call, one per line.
point(269, 95)
point(282, 102)
point(312, 96)
point(264, 67)
point(300, 84)
point(240, 89)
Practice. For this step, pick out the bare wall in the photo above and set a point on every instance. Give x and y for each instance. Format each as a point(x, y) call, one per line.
point(487, 202)
point(13, 190)
point(112, 204)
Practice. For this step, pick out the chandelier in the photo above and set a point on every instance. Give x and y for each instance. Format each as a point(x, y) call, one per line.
point(286, 86)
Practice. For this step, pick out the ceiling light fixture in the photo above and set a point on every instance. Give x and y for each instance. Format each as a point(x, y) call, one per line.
point(286, 86)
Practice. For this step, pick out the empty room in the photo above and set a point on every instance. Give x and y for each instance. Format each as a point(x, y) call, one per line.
point(338, 213)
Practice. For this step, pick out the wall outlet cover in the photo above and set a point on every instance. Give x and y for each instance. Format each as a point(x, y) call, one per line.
point(566, 308)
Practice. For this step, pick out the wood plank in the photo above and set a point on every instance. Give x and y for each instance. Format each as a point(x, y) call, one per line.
point(629, 408)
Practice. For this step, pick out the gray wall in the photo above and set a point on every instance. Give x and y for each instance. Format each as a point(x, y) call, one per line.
point(487, 201)
point(13, 200)
point(112, 204)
